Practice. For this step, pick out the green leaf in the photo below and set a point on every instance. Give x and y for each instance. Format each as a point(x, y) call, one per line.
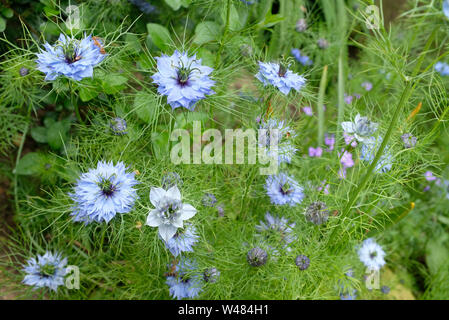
point(113, 83)
point(7, 12)
point(161, 144)
point(174, 4)
point(237, 19)
point(56, 135)
point(436, 255)
point(270, 20)
point(87, 93)
point(29, 164)
point(39, 134)
point(146, 106)
point(206, 31)
point(2, 24)
point(159, 35)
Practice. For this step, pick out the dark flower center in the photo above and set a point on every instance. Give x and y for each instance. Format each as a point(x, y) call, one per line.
point(70, 50)
point(373, 254)
point(170, 209)
point(47, 270)
point(107, 187)
point(282, 70)
point(285, 189)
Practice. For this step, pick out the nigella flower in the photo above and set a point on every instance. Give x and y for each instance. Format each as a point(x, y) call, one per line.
point(361, 128)
point(371, 254)
point(324, 187)
point(315, 152)
point(348, 98)
point(211, 275)
point(277, 227)
point(182, 241)
point(323, 43)
point(23, 71)
point(302, 262)
point(249, 1)
point(429, 176)
point(143, 6)
point(103, 192)
point(257, 257)
point(301, 25)
point(118, 126)
point(278, 75)
point(184, 80)
point(349, 139)
point(209, 200)
point(329, 140)
point(446, 8)
point(283, 189)
point(317, 212)
point(308, 111)
point(70, 57)
point(302, 59)
point(442, 68)
point(368, 153)
point(349, 294)
point(171, 179)
point(279, 134)
point(46, 271)
point(409, 140)
point(185, 281)
point(346, 161)
point(385, 289)
point(446, 188)
point(368, 86)
point(169, 212)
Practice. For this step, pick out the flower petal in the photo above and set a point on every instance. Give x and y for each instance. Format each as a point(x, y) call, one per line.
point(174, 193)
point(167, 231)
point(187, 211)
point(156, 194)
point(153, 220)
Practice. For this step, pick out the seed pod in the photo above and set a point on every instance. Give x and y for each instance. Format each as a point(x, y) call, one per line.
point(301, 25)
point(118, 126)
point(317, 213)
point(23, 71)
point(257, 257)
point(302, 262)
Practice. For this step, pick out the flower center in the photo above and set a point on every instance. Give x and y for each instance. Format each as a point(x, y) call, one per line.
point(169, 210)
point(282, 70)
point(107, 187)
point(47, 270)
point(285, 189)
point(70, 50)
point(373, 254)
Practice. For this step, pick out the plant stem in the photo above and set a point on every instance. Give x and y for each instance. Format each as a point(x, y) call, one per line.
point(225, 33)
point(321, 93)
point(75, 104)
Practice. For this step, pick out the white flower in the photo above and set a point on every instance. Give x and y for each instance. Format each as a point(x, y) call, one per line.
point(169, 212)
point(371, 254)
point(362, 128)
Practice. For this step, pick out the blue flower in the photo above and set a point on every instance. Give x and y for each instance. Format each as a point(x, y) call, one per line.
point(183, 80)
point(279, 76)
point(282, 189)
point(349, 294)
point(368, 153)
point(209, 200)
point(45, 271)
point(277, 227)
point(446, 8)
point(143, 6)
point(371, 254)
point(249, 1)
point(70, 57)
point(442, 68)
point(361, 128)
point(283, 139)
point(103, 192)
point(182, 241)
point(118, 126)
point(185, 282)
point(304, 60)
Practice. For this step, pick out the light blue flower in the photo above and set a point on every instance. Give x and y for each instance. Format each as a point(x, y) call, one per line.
point(70, 57)
point(283, 139)
point(442, 68)
point(349, 294)
point(186, 282)
point(103, 192)
point(302, 59)
point(279, 76)
point(45, 271)
point(183, 80)
point(368, 153)
point(361, 128)
point(371, 254)
point(182, 241)
point(446, 8)
point(277, 227)
point(282, 190)
point(169, 212)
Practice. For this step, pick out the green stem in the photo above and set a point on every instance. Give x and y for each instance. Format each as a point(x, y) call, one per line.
point(19, 153)
point(321, 93)
point(225, 33)
point(75, 104)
